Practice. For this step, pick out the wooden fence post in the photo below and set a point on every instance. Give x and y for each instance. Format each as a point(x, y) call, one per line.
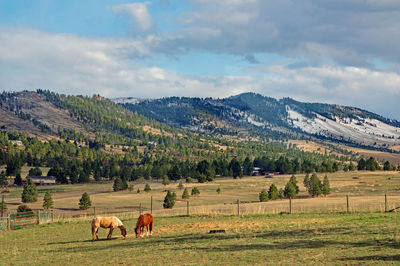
point(187, 208)
point(385, 203)
point(151, 205)
point(290, 205)
point(2, 205)
point(238, 206)
point(347, 203)
point(140, 208)
point(94, 211)
point(38, 217)
point(8, 221)
point(52, 215)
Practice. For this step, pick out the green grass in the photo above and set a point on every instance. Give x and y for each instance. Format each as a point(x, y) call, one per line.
point(306, 238)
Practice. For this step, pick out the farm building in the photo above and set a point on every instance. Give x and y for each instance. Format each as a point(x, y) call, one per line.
point(41, 180)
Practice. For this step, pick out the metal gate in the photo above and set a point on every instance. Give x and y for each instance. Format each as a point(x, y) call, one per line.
point(23, 219)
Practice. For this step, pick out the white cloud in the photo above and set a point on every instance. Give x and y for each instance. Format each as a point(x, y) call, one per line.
point(139, 11)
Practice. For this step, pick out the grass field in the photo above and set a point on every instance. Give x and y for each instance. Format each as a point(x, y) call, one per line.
point(365, 189)
point(303, 238)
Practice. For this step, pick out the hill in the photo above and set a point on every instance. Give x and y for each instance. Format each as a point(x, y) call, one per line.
point(257, 115)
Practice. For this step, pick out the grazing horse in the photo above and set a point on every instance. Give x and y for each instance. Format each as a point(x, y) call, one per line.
point(144, 220)
point(107, 222)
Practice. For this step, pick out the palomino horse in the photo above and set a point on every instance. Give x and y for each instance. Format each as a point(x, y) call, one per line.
point(107, 222)
point(144, 220)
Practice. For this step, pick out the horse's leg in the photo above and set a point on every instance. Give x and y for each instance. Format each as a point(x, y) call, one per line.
point(151, 228)
point(110, 233)
point(97, 233)
point(93, 233)
point(142, 231)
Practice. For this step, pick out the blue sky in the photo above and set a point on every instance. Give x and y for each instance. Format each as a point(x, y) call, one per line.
point(344, 52)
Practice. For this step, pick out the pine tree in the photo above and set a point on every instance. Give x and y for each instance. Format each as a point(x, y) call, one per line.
point(18, 179)
point(118, 185)
point(35, 171)
point(165, 180)
point(48, 201)
point(315, 186)
point(29, 194)
point(306, 182)
point(263, 196)
point(3, 179)
point(294, 182)
point(147, 188)
point(290, 190)
point(325, 186)
point(218, 190)
point(195, 191)
point(281, 193)
point(273, 192)
point(180, 186)
point(185, 194)
point(85, 202)
point(169, 201)
point(189, 179)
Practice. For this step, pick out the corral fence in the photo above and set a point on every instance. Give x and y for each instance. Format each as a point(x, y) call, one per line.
point(24, 219)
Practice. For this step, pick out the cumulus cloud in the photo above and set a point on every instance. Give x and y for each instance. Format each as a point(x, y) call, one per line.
point(139, 11)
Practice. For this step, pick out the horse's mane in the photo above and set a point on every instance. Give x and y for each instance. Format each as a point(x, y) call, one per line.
point(139, 220)
point(119, 221)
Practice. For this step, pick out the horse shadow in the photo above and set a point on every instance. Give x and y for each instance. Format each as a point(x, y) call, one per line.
point(83, 241)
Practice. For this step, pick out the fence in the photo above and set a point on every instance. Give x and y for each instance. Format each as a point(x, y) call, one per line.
point(344, 203)
point(24, 219)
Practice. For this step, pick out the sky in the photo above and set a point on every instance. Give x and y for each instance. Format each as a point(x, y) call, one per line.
point(334, 51)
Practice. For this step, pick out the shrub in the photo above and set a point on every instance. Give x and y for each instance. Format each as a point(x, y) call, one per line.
point(118, 184)
point(165, 180)
point(29, 194)
point(147, 188)
point(85, 202)
point(290, 190)
point(180, 186)
point(195, 191)
point(18, 179)
point(189, 179)
point(23, 208)
point(35, 171)
point(218, 190)
point(263, 196)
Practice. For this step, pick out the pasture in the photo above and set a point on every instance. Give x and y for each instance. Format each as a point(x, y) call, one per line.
point(302, 238)
point(365, 189)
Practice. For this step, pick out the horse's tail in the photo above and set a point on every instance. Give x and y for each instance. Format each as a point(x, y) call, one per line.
point(151, 226)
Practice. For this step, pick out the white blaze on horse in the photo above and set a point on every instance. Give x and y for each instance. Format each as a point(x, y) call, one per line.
point(107, 222)
point(144, 220)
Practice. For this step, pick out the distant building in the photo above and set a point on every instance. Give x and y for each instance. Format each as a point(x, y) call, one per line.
point(17, 142)
point(41, 180)
point(257, 171)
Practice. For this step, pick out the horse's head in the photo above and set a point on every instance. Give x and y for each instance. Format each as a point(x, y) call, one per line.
point(137, 231)
point(123, 231)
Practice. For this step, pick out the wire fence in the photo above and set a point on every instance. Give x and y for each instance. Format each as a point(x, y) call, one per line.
point(376, 203)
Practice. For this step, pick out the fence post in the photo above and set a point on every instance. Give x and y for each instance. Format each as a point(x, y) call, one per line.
point(140, 208)
point(8, 221)
point(238, 205)
point(347, 203)
point(151, 205)
point(187, 208)
point(385, 203)
point(2, 205)
point(52, 215)
point(38, 217)
point(94, 211)
point(290, 205)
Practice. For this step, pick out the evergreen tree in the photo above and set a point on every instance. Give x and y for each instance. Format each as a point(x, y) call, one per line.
point(218, 190)
point(263, 196)
point(3, 179)
point(48, 201)
point(174, 173)
point(23, 208)
point(117, 184)
point(315, 186)
point(147, 188)
point(165, 180)
point(202, 178)
point(29, 194)
point(185, 194)
point(273, 192)
point(18, 179)
point(294, 182)
point(169, 201)
point(247, 166)
point(83, 177)
point(124, 183)
point(195, 191)
point(189, 179)
point(281, 193)
point(325, 186)
point(290, 190)
point(180, 186)
point(351, 167)
point(35, 171)
point(85, 202)
point(236, 169)
point(306, 182)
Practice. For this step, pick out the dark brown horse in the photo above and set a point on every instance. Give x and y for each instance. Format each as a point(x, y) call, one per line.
point(144, 220)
